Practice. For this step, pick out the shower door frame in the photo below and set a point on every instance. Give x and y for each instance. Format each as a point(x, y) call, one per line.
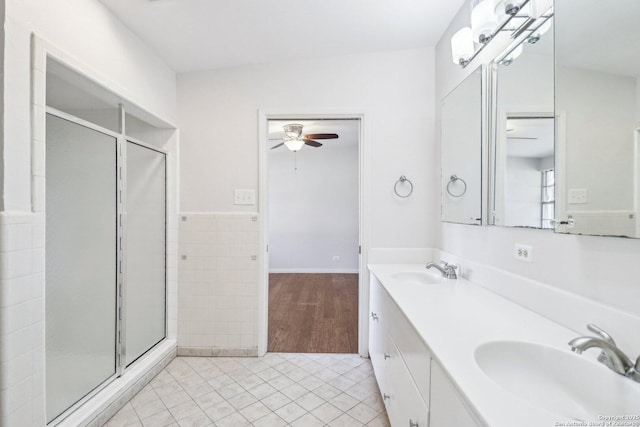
point(122, 170)
point(120, 247)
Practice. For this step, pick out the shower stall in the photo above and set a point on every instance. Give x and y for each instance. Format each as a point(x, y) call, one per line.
point(105, 251)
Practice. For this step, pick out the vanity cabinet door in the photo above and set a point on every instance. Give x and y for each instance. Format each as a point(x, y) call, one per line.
point(447, 407)
point(413, 350)
point(406, 406)
point(378, 341)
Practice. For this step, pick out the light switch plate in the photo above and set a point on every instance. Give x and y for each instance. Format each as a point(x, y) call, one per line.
point(577, 196)
point(244, 197)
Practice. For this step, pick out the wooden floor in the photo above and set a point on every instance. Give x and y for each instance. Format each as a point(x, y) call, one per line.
point(313, 313)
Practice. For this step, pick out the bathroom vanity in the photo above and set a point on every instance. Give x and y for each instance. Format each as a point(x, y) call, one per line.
point(452, 353)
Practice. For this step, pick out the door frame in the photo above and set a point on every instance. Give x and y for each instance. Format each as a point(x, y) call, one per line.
point(364, 162)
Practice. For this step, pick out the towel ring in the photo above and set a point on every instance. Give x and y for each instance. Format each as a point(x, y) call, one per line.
point(402, 180)
point(453, 179)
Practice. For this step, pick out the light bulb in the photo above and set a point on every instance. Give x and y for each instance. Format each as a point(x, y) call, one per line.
point(462, 48)
point(483, 21)
point(294, 144)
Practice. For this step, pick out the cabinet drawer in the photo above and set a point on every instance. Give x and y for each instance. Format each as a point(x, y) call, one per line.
point(406, 406)
point(413, 350)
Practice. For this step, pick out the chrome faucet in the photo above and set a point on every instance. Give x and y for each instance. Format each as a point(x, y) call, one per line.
point(448, 270)
point(611, 356)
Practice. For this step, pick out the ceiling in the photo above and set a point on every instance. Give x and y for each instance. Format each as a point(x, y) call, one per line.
point(205, 34)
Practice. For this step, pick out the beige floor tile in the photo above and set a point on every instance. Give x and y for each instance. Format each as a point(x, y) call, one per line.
point(255, 411)
point(310, 401)
point(290, 412)
point(271, 420)
point(363, 413)
point(327, 412)
point(280, 389)
point(307, 420)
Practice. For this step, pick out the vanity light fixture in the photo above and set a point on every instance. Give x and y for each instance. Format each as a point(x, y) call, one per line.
point(483, 20)
point(294, 144)
point(539, 32)
point(462, 47)
point(511, 56)
point(532, 34)
point(488, 18)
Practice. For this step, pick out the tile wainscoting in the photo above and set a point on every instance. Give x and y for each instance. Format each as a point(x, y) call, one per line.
point(22, 318)
point(218, 280)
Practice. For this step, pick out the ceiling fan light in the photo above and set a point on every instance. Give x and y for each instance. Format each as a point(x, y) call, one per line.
point(294, 144)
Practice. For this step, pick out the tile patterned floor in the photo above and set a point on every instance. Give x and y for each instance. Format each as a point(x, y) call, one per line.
point(280, 389)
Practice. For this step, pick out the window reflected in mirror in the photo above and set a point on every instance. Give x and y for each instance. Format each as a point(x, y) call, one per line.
point(528, 176)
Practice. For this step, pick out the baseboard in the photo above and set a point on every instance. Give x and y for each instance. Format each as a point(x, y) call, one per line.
point(217, 352)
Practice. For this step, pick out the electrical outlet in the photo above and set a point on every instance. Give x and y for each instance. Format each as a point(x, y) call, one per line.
point(523, 252)
point(336, 258)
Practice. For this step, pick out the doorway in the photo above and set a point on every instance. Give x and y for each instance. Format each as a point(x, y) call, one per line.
point(313, 234)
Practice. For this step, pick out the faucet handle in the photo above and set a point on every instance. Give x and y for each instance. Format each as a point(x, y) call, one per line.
point(601, 333)
point(444, 263)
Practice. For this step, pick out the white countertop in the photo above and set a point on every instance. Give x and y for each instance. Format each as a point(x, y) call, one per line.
point(454, 318)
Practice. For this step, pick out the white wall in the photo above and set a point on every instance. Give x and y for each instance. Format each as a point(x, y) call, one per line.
point(94, 41)
point(581, 264)
point(313, 211)
point(218, 121)
point(599, 136)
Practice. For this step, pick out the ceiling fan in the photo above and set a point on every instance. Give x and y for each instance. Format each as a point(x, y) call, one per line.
point(519, 137)
point(294, 140)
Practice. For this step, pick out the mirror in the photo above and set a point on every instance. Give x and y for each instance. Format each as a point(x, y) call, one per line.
point(462, 152)
point(598, 87)
point(523, 170)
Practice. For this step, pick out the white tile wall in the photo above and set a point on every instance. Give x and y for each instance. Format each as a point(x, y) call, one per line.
point(21, 319)
point(218, 279)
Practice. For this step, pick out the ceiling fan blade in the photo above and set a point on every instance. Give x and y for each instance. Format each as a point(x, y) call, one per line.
point(321, 136)
point(312, 143)
point(278, 145)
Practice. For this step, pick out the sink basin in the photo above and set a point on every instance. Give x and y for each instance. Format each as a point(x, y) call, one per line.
point(417, 277)
point(560, 382)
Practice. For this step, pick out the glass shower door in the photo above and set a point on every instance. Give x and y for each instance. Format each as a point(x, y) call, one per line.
point(145, 289)
point(81, 283)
